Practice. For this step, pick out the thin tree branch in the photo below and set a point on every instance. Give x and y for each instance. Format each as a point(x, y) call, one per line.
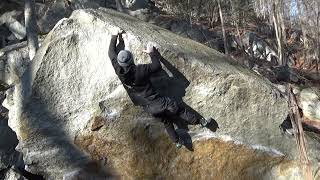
point(31, 27)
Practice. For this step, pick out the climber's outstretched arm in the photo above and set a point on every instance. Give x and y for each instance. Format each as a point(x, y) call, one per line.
point(113, 48)
point(155, 65)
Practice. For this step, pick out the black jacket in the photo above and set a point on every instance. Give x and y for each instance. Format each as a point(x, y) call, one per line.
point(135, 78)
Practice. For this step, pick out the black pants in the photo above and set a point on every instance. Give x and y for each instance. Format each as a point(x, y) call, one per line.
point(168, 110)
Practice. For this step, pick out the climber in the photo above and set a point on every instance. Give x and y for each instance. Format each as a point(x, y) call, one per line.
point(135, 79)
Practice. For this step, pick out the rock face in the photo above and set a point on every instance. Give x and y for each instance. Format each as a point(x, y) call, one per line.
point(310, 103)
point(8, 141)
point(70, 88)
point(13, 175)
point(13, 62)
point(196, 32)
point(49, 14)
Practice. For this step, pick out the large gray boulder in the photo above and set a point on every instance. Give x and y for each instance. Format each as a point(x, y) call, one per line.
point(70, 110)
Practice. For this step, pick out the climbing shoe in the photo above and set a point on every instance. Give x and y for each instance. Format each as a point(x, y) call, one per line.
point(179, 143)
point(205, 122)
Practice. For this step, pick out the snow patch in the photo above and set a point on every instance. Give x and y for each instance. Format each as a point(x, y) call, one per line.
point(202, 90)
point(267, 149)
point(207, 134)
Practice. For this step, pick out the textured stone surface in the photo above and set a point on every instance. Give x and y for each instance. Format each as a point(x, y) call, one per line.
point(309, 99)
point(13, 62)
point(71, 81)
point(195, 32)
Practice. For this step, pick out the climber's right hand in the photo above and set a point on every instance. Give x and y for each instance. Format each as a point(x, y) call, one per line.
point(116, 31)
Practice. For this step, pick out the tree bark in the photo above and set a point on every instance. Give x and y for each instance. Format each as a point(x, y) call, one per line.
point(223, 29)
point(303, 29)
point(190, 13)
point(236, 24)
point(199, 10)
point(119, 6)
point(282, 31)
point(277, 27)
point(31, 27)
point(282, 22)
point(296, 121)
point(212, 13)
point(318, 36)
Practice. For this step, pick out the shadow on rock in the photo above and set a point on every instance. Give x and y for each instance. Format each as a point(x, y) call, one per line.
point(170, 82)
point(287, 129)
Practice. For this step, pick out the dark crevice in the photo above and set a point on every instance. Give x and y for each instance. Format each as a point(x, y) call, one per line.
point(17, 164)
point(286, 127)
point(22, 172)
point(3, 173)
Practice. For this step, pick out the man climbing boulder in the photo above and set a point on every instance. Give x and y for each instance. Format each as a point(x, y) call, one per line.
point(136, 81)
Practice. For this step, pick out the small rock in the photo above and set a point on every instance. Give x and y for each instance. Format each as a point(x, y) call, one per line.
point(13, 175)
point(17, 29)
point(281, 88)
point(97, 123)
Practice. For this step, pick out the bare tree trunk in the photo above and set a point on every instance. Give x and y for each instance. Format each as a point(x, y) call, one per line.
point(199, 10)
point(263, 3)
point(212, 14)
point(277, 27)
point(283, 30)
point(318, 36)
point(236, 24)
point(303, 29)
point(31, 27)
point(223, 30)
point(190, 13)
point(119, 6)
